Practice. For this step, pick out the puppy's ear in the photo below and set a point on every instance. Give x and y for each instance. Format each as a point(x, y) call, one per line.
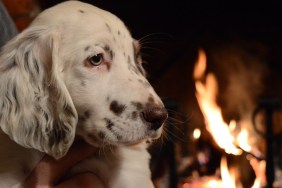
point(36, 108)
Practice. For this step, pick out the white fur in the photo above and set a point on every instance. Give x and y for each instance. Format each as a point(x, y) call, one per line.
point(122, 167)
point(49, 93)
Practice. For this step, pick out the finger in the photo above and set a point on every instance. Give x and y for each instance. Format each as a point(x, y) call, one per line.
point(49, 171)
point(79, 151)
point(85, 180)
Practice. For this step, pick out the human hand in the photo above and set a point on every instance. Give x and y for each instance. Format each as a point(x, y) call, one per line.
point(49, 172)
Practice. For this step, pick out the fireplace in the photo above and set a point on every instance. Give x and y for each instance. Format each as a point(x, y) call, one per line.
point(241, 113)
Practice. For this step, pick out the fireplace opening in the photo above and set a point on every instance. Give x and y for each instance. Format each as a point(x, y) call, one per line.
point(238, 142)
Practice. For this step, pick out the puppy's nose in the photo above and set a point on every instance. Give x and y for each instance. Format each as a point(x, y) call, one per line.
point(156, 116)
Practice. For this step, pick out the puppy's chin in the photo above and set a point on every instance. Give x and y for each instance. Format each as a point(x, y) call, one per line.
point(150, 139)
point(157, 134)
point(101, 141)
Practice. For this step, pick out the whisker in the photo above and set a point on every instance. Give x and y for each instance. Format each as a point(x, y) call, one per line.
point(100, 152)
point(171, 135)
point(176, 130)
point(147, 42)
point(176, 121)
point(144, 43)
point(111, 148)
point(164, 98)
point(152, 48)
point(103, 148)
point(161, 142)
point(151, 35)
point(173, 112)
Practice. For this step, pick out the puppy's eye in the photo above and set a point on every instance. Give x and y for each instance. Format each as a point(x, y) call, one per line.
point(96, 60)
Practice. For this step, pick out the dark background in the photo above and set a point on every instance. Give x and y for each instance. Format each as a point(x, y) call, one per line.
point(172, 32)
point(175, 29)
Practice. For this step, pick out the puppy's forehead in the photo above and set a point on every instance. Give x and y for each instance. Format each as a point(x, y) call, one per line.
point(80, 15)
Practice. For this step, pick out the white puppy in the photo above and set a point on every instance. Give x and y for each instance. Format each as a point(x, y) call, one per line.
point(76, 70)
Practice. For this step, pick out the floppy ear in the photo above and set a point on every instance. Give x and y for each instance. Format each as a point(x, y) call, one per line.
point(36, 110)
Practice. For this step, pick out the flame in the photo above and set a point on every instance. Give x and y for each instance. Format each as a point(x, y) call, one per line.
point(201, 65)
point(206, 93)
point(196, 133)
point(259, 168)
point(206, 96)
point(228, 180)
point(243, 140)
point(213, 184)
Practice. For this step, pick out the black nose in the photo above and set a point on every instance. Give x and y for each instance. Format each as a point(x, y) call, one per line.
point(156, 116)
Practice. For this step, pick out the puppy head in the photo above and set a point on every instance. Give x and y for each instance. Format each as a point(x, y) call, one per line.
point(105, 78)
point(76, 63)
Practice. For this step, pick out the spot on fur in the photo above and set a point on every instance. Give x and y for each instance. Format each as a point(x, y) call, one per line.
point(109, 51)
point(119, 137)
point(87, 114)
point(134, 115)
point(107, 48)
point(132, 68)
point(109, 123)
point(128, 59)
point(137, 105)
point(108, 27)
point(81, 11)
point(151, 99)
point(111, 54)
point(92, 137)
point(86, 48)
point(101, 135)
point(117, 108)
point(137, 54)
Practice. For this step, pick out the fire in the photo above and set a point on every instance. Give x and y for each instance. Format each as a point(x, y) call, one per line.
point(243, 140)
point(206, 93)
point(259, 168)
point(228, 180)
point(196, 133)
point(206, 96)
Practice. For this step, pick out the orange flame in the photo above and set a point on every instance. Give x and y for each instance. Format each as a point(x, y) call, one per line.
point(206, 96)
point(206, 93)
point(228, 180)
